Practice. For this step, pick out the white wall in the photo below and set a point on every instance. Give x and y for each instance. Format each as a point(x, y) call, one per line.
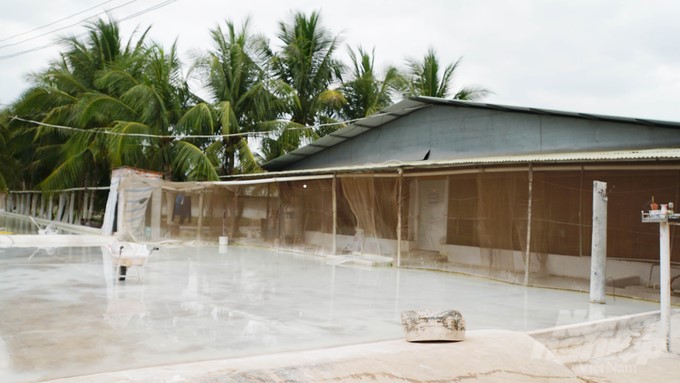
point(559, 265)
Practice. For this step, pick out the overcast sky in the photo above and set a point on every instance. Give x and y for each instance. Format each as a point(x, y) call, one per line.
point(612, 57)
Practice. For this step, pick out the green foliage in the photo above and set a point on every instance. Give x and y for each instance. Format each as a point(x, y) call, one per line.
point(425, 79)
point(128, 103)
point(365, 93)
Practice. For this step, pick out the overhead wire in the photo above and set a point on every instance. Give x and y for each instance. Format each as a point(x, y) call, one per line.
point(53, 22)
point(182, 136)
point(67, 26)
point(139, 13)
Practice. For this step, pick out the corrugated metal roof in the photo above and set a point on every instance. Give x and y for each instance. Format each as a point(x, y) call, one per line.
point(660, 154)
point(410, 105)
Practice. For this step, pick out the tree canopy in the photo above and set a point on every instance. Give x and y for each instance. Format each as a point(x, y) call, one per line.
point(107, 102)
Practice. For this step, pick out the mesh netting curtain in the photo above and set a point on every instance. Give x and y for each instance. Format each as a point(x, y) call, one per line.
point(374, 204)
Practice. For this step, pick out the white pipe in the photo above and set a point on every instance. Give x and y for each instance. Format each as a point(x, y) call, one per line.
point(598, 252)
point(665, 285)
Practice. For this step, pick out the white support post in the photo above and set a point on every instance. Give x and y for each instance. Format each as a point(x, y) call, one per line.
point(156, 212)
point(665, 284)
point(91, 206)
point(335, 214)
point(598, 252)
point(42, 206)
point(71, 203)
point(527, 250)
point(34, 205)
point(83, 210)
point(399, 212)
point(50, 208)
point(122, 201)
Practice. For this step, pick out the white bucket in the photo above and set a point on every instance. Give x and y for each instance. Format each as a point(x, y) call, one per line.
point(224, 241)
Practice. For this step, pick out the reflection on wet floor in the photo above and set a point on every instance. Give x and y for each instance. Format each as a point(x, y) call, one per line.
point(63, 314)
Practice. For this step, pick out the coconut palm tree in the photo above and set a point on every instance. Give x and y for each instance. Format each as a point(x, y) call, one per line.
point(365, 93)
point(8, 171)
point(125, 102)
point(58, 96)
point(306, 64)
point(146, 111)
point(424, 79)
point(244, 98)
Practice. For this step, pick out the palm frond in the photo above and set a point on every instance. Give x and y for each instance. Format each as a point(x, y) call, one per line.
point(192, 162)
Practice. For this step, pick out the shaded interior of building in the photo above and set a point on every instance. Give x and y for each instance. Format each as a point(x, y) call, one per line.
point(473, 217)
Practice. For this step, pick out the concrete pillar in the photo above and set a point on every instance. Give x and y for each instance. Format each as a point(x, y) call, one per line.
point(84, 203)
point(50, 210)
point(120, 218)
point(400, 182)
point(34, 205)
point(42, 206)
point(71, 202)
point(334, 194)
point(156, 208)
point(598, 252)
point(665, 283)
point(91, 206)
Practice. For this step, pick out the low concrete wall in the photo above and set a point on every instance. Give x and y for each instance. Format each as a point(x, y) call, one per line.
point(559, 265)
point(377, 246)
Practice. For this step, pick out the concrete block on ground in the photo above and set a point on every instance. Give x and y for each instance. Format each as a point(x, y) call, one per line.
point(424, 326)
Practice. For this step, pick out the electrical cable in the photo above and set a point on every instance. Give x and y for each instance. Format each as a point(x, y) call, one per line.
point(139, 13)
point(180, 136)
point(66, 26)
point(144, 135)
point(52, 23)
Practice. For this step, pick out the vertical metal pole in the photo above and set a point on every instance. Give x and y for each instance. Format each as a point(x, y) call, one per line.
point(399, 212)
point(665, 285)
point(335, 216)
point(598, 252)
point(527, 250)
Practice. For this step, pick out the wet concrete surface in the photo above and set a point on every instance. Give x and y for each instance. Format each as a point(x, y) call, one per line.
point(63, 315)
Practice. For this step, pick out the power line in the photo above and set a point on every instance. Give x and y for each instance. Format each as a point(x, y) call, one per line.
point(144, 135)
point(54, 22)
point(65, 27)
point(180, 136)
point(139, 13)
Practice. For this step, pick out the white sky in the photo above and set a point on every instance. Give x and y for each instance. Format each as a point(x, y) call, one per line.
point(613, 57)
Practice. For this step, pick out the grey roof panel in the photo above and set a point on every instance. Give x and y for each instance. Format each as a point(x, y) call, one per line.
point(410, 105)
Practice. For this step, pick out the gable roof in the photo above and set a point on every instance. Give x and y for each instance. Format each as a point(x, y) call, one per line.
point(412, 104)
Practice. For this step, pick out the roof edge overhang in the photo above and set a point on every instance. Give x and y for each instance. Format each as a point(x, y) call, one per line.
point(649, 156)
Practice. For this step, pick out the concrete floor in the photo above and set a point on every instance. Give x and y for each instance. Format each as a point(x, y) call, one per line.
point(63, 314)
